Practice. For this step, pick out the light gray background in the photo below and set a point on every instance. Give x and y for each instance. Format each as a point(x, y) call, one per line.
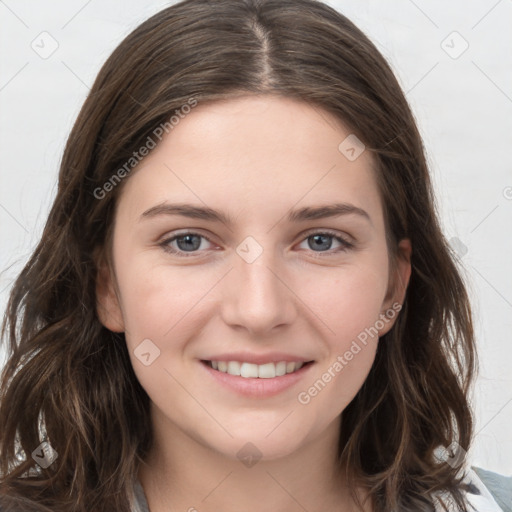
point(462, 101)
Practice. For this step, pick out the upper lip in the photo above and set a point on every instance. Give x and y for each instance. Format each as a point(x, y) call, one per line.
point(270, 357)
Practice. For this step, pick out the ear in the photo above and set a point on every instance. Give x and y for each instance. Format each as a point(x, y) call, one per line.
point(398, 283)
point(107, 302)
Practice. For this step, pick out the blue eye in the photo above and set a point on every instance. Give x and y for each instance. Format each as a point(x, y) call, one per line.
point(190, 242)
point(186, 242)
point(323, 242)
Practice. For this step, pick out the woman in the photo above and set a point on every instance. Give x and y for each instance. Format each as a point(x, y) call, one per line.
point(260, 367)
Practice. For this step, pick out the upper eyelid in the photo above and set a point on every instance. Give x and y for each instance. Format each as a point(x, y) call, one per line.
point(174, 235)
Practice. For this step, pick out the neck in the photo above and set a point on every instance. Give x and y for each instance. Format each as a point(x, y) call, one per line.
point(182, 474)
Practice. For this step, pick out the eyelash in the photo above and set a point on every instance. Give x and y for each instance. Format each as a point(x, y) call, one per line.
point(345, 244)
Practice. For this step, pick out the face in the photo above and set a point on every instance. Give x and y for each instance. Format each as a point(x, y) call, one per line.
point(252, 272)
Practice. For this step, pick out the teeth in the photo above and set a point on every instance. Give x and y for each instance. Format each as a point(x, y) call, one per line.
point(233, 368)
point(262, 371)
point(266, 371)
point(281, 368)
point(249, 370)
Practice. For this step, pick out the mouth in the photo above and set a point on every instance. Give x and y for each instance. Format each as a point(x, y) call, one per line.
point(247, 370)
point(256, 381)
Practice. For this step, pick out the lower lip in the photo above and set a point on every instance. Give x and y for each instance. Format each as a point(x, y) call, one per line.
point(256, 387)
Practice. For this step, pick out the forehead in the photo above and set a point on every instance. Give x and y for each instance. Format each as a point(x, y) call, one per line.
point(242, 154)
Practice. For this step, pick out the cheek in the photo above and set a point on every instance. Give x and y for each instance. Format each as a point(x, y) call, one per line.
point(159, 301)
point(162, 311)
point(350, 355)
point(350, 305)
point(348, 299)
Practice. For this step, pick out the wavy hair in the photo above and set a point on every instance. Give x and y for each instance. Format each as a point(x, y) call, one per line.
point(69, 381)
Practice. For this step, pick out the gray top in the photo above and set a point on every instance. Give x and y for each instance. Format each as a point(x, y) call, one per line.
point(141, 502)
point(493, 496)
point(499, 486)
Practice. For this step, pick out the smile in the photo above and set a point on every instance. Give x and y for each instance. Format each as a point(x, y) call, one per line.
point(260, 371)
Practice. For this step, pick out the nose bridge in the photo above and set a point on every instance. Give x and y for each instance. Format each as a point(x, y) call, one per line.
point(256, 297)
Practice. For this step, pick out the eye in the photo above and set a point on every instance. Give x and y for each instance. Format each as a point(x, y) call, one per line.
point(186, 242)
point(323, 241)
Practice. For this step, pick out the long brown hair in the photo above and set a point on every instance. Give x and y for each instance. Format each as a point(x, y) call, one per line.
point(68, 380)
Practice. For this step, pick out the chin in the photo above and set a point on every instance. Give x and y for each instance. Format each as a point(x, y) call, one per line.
point(253, 445)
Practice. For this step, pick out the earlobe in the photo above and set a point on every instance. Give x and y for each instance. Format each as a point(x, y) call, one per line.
point(398, 286)
point(107, 303)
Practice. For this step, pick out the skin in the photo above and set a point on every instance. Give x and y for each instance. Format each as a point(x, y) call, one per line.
point(254, 158)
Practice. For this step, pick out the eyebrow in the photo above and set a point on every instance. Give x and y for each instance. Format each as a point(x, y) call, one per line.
point(299, 215)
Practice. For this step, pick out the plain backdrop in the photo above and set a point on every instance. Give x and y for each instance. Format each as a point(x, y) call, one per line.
point(453, 60)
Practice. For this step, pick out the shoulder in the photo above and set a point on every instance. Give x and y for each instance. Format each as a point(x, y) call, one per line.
point(491, 496)
point(498, 487)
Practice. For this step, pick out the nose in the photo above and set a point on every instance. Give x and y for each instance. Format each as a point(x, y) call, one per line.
point(257, 297)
